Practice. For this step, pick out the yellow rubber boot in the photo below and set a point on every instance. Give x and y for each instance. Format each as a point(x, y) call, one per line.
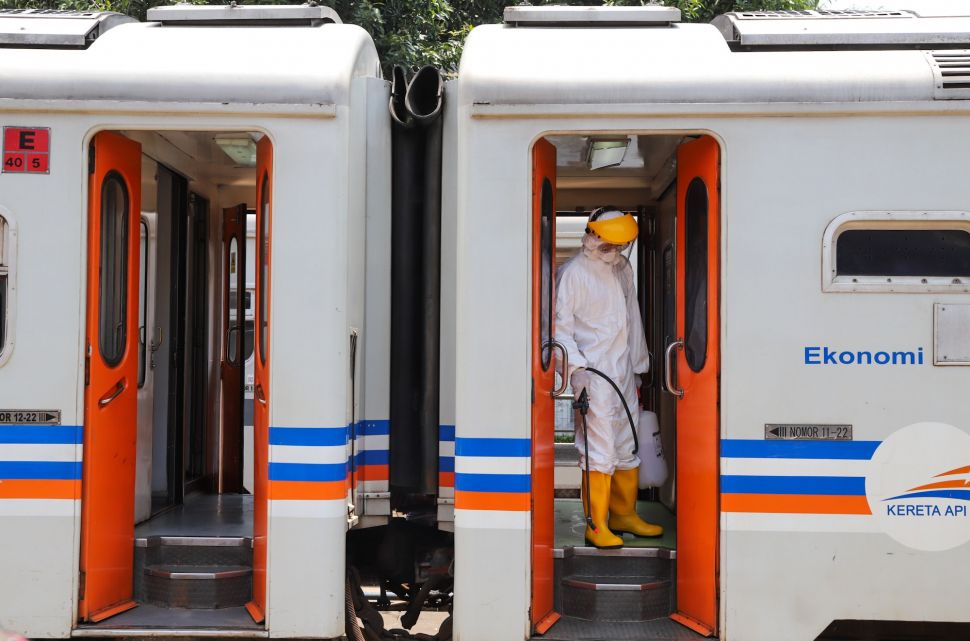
point(599, 503)
point(623, 506)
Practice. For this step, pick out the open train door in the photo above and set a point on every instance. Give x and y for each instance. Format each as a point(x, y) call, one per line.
point(543, 382)
point(698, 368)
point(234, 354)
point(264, 192)
point(111, 379)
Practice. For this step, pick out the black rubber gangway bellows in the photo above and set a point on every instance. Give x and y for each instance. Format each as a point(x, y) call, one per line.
point(416, 116)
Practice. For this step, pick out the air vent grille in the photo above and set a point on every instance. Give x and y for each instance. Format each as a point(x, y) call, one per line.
point(951, 70)
point(821, 13)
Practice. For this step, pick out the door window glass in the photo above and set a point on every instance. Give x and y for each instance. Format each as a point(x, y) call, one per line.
point(142, 302)
point(695, 275)
point(232, 269)
point(263, 243)
point(113, 282)
point(546, 261)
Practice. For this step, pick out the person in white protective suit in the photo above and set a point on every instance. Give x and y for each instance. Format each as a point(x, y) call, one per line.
point(598, 321)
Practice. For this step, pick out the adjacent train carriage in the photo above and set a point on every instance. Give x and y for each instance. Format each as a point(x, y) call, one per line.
point(803, 260)
point(132, 154)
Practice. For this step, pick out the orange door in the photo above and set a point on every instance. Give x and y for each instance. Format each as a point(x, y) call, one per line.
point(233, 353)
point(698, 367)
point(264, 193)
point(543, 380)
point(111, 379)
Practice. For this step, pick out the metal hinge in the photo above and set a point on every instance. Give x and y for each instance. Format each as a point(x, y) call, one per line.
point(91, 158)
point(81, 584)
point(87, 366)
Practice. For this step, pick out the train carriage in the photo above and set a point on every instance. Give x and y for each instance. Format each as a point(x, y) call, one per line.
point(177, 127)
point(796, 179)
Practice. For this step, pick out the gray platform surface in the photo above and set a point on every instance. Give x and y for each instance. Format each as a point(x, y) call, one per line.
point(203, 515)
point(570, 525)
point(150, 616)
point(569, 629)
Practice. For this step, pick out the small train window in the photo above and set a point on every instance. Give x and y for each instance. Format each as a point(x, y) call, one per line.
point(547, 264)
point(898, 252)
point(695, 275)
point(142, 303)
point(6, 287)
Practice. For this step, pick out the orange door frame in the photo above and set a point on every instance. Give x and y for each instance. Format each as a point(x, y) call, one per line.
point(111, 387)
point(698, 416)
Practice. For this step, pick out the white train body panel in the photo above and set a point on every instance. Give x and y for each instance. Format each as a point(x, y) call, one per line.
point(805, 137)
point(305, 88)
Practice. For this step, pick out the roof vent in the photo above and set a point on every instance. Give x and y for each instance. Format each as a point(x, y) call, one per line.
point(191, 15)
point(821, 13)
point(576, 16)
point(55, 29)
point(841, 30)
point(951, 71)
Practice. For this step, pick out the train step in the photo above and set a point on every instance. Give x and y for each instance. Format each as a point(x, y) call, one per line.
point(193, 572)
point(625, 585)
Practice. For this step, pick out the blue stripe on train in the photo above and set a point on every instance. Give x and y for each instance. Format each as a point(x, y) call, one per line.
point(307, 471)
point(373, 457)
point(313, 436)
point(446, 464)
point(493, 482)
point(42, 434)
point(446, 432)
point(493, 447)
point(814, 485)
point(843, 450)
point(46, 470)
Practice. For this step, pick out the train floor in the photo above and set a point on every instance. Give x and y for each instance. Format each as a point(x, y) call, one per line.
point(570, 525)
point(203, 515)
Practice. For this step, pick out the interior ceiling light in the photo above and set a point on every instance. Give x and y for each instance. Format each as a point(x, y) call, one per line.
point(606, 152)
point(242, 151)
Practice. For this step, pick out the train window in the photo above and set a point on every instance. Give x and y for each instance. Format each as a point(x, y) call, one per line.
point(695, 275)
point(547, 261)
point(113, 285)
point(263, 244)
point(233, 321)
point(142, 302)
point(897, 251)
point(248, 340)
point(6, 286)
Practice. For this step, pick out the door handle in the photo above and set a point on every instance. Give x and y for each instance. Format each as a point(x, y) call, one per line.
point(156, 343)
point(669, 368)
point(564, 377)
point(117, 390)
point(259, 394)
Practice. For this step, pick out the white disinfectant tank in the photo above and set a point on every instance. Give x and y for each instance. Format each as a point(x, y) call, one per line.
point(653, 465)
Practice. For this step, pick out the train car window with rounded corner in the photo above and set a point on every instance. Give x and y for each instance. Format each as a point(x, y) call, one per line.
point(547, 259)
point(903, 252)
point(5, 252)
point(142, 302)
point(695, 275)
point(263, 243)
point(113, 280)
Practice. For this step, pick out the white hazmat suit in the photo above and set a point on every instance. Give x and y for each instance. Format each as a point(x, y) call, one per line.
point(598, 321)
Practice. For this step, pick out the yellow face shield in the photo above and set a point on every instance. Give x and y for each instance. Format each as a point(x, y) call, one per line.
point(618, 231)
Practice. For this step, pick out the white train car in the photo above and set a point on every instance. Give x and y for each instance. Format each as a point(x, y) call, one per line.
point(804, 271)
point(192, 118)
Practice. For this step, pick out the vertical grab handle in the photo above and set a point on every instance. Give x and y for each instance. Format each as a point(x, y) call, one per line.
point(564, 374)
point(669, 368)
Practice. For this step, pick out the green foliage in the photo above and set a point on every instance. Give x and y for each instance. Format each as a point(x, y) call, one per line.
point(413, 33)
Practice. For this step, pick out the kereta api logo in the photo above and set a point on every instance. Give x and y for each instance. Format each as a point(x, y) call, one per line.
point(918, 486)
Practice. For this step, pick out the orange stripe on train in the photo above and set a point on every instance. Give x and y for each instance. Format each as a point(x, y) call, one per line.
point(39, 489)
point(794, 504)
point(307, 490)
point(509, 501)
point(446, 479)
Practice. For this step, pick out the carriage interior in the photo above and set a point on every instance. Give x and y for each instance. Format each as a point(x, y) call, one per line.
point(196, 302)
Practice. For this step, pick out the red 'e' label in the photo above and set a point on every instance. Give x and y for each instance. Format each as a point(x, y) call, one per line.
point(26, 150)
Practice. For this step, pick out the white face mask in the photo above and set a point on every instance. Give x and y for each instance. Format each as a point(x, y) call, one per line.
point(610, 256)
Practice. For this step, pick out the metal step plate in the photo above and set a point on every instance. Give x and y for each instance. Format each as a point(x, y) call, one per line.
point(571, 629)
point(616, 598)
